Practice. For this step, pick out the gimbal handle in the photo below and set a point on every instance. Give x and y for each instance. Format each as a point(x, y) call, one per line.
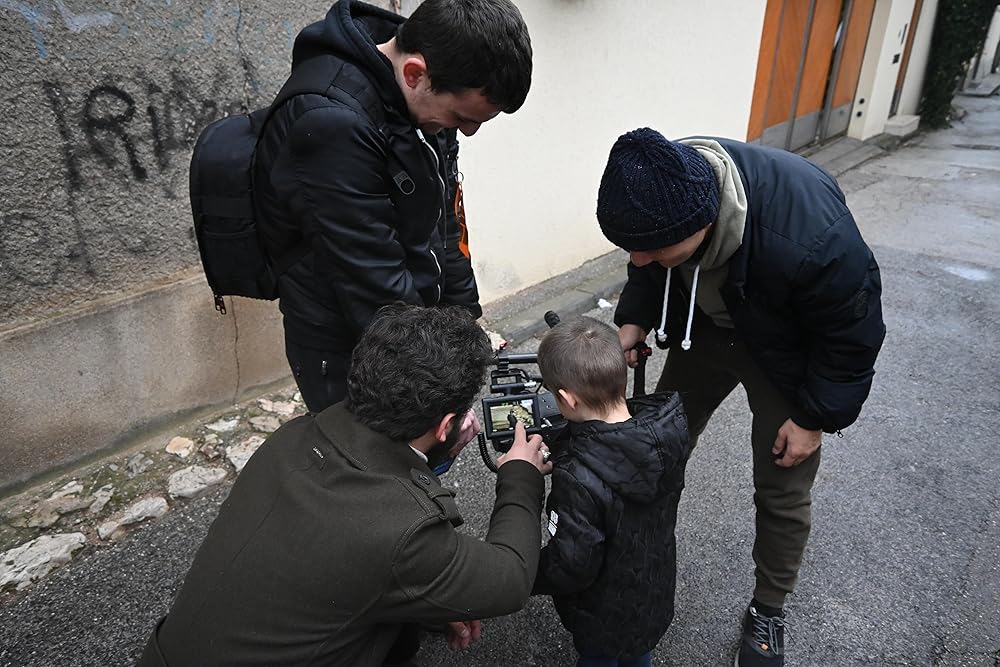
point(643, 352)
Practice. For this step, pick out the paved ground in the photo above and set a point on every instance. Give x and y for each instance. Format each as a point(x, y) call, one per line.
point(903, 567)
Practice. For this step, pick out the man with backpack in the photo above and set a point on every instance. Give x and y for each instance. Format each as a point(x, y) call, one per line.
point(359, 185)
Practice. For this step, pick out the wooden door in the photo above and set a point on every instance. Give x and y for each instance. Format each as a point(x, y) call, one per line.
point(814, 74)
point(801, 63)
point(856, 25)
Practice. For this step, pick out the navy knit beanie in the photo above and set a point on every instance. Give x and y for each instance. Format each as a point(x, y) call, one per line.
point(655, 192)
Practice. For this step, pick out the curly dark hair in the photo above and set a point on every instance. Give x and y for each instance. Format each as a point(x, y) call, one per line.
point(472, 44)
point(415, 365)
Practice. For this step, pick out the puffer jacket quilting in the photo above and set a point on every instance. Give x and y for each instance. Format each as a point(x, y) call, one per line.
point(611, 563)
point(803, 289)
point(373, 200)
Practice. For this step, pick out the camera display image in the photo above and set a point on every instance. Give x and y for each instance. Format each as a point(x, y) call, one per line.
point(521, 409)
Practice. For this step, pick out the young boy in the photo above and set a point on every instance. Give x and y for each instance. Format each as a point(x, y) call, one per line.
point(610, 564)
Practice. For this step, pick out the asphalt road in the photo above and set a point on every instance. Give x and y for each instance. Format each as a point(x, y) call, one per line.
point(903, 566)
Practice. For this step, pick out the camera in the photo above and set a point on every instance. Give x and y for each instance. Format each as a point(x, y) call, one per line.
point(519, 397)
point(537, 412)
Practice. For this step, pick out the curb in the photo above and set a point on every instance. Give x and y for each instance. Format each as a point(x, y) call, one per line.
point(521, 316)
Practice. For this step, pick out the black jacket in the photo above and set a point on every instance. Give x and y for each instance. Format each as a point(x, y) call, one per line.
point(803, 289)
point(611, 562)
point(332, 537)
point(374, 201)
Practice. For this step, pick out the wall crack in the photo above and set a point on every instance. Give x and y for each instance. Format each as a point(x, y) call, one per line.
point(245, 64)
point(236, 348)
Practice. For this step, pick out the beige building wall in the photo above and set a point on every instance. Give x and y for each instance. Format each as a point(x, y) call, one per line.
point(913, 85)
point(883, 56)
point(600, 69)
point(989, 48)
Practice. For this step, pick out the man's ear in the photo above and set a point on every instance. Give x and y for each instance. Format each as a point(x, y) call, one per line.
point(414, 69)
point(568, 398)
point(446, 424)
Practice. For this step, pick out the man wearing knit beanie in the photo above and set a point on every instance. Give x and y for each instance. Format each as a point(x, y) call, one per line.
point(749, 267)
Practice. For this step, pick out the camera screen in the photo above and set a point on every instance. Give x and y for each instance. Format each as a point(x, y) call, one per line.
point(521, 409)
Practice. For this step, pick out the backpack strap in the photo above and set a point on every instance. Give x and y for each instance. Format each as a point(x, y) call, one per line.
point(332, 77)
point(335, 78)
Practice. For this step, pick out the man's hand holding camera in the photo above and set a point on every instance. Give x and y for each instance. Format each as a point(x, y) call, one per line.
point(631, 335)
point(532, 450)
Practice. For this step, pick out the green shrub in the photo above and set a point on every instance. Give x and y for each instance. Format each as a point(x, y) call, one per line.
point(959, 33)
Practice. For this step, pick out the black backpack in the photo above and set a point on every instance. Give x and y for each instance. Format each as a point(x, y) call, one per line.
point(221, 186)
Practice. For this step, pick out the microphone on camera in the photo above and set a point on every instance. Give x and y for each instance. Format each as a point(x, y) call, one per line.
point(551, 318)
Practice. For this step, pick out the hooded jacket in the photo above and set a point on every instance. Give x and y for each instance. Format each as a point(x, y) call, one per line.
point(373, 197)
point(610, 564)
point(802, 290)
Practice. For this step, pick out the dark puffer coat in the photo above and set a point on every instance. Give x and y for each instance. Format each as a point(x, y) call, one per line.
point(803, 290)
point(375, 201)
point(610, 565)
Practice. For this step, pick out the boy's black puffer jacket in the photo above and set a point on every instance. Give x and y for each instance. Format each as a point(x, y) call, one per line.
point(611, 564)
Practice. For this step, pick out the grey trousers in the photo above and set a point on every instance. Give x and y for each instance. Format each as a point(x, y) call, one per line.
point(704, 376)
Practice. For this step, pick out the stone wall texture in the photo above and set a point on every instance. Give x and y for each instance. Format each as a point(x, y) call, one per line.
point(107, 329)
point(102, 102)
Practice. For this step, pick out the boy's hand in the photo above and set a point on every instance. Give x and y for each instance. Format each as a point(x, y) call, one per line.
point(531, 449)
point(629, 335)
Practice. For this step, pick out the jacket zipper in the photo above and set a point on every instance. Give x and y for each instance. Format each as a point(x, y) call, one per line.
point(442, 191)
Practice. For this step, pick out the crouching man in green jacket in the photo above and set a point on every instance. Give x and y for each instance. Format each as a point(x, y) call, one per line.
point(337, 537)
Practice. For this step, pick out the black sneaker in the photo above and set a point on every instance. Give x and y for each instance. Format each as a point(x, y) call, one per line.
point(763, 643)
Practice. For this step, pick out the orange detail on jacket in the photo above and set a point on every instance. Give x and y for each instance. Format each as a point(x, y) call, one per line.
point(463, 239)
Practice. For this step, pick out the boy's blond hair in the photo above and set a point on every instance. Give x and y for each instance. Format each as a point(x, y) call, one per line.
point(584, 356)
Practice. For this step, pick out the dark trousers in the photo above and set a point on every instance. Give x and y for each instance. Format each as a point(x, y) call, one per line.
point(321, 375)
point(704, 376)
point(406, 646)
point(605, 661)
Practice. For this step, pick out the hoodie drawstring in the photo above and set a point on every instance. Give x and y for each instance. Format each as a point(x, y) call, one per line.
point(686, 343)
point(661, 333)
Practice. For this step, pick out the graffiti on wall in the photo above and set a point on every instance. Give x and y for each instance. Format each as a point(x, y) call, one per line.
point(45, 19)
point(134, 129)
point(39, 19)
point(109, 106)
point(129, 133)
point(105, 99)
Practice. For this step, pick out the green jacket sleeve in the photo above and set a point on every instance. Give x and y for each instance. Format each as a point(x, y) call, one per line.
point(447, 576)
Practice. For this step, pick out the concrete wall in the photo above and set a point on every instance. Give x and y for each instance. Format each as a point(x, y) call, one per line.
point(600, 69)
point(985, 65)
point(106, 325)
point(84, 382)
point(916, 70)
point(102, 102)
